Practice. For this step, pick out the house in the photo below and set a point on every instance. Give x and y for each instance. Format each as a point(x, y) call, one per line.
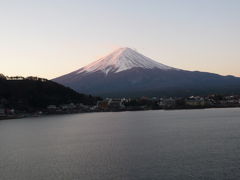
point(10, 111)
point(103, 105)
point(83, 107)
point(52, 107)
point(167, 103)
point(70, 106)
point(195, 101)
point(116, 104)
point(111, 104)
point(232, 100)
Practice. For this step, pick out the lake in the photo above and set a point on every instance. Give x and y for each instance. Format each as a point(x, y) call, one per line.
point(146, 145)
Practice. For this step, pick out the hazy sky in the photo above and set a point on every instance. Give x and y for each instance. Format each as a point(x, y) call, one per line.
point(48, 38)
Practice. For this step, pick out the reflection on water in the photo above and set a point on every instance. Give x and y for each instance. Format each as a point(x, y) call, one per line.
point(191, 144)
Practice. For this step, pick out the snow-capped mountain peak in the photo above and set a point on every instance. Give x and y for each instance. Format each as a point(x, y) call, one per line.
point(120, 60)
point(127, 73)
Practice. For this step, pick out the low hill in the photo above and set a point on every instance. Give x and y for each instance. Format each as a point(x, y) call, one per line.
point(32, 93)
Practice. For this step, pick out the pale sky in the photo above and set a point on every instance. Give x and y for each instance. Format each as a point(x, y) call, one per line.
point(49, 38)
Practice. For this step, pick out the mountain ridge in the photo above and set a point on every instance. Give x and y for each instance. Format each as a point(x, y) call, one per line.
point(145, 77)
point(37, 93)
point(120, 60)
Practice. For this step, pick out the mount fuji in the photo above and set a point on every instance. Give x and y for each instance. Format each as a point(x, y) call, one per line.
point(127, 73)
point(121, 60)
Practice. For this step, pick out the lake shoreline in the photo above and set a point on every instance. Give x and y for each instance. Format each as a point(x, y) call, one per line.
point(29, 115)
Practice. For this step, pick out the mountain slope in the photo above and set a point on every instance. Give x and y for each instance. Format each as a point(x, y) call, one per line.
point(120, 60)
point(38, 93)
point(127, 73)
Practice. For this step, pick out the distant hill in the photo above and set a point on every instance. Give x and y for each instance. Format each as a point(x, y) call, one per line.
point(127, 73)
point(33, 92)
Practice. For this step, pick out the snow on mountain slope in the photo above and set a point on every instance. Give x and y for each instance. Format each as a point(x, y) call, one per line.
point(120, 60)
point(126, 73)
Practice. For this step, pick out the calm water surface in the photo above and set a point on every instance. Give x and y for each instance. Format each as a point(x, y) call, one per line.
point(171, 145)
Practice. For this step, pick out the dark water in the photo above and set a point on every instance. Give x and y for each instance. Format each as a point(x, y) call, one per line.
point(192, 144)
